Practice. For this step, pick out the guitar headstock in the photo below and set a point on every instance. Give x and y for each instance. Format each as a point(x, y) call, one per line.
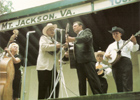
point(67, 30)
point(138, 33)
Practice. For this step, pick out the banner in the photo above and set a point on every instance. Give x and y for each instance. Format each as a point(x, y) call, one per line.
point(106, 4)
point(63, 13)
point(54, 15)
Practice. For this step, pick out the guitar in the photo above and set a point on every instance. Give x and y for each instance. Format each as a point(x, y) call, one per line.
point(115, 54)
point(70, 50)
point(1, 52)
point(72, 56)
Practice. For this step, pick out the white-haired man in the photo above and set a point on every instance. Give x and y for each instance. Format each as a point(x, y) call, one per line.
point(45, 62)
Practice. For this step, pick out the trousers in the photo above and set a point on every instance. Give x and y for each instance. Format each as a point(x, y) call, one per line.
point(122, 73)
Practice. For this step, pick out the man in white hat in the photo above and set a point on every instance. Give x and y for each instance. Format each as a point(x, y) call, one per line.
point(45, 61)
point(106, 70)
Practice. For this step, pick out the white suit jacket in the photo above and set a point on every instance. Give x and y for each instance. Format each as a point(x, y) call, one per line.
point(45, 61)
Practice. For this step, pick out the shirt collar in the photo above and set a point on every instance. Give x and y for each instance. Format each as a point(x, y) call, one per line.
point(120, 41)
point(48, 36)
point(80, 32)
point(99, 63)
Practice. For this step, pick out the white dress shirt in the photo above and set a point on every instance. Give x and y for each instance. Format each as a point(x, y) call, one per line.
point(107, 71)
point(125, 51)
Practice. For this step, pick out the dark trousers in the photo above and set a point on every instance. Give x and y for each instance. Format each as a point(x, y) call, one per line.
point(17, 84)
point(87, 70)
point(122, 73)
point(46, 84)
point(104, 84)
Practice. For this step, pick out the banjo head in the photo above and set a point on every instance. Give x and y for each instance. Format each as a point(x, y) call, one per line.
point(113, 56)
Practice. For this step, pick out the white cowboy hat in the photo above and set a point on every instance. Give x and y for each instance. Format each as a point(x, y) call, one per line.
point(99, 52)
point(47, 27)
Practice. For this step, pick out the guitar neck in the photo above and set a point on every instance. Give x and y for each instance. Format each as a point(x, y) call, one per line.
point(8, 44)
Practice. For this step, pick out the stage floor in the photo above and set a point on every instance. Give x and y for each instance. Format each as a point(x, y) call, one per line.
point(113, 96)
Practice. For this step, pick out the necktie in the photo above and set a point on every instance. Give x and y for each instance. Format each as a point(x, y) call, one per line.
point(118, 45)
point(52, 40)
point(52, 52)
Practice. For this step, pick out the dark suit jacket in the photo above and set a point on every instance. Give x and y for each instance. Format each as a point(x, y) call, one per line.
point(83, 47)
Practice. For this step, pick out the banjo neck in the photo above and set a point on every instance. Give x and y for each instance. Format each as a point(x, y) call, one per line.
point(138, 33)
point(124, 45)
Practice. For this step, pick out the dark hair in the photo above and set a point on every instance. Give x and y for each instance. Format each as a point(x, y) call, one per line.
point(79, 23)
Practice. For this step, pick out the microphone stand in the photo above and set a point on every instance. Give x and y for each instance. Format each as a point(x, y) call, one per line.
point(27, 42)
point(54, 64)
point(60, 74)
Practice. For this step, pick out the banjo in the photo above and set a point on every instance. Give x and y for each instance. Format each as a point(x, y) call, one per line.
point(116, 54)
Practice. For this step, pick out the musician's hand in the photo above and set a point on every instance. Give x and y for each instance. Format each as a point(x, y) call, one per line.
point(70, 39)
point(65, 45)
point(58, 45)
point(7, 49)
point(66, 54)
point(133, 39)
point(108, 56)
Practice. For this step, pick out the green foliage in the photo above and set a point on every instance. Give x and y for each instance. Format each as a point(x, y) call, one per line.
point(5, 6)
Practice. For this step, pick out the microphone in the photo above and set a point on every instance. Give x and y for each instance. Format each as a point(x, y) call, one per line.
point(59, 30)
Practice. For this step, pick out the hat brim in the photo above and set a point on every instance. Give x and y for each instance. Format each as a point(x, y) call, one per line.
point(122, 32)
point(47, 27)
point(110, 32)
point(99, 53)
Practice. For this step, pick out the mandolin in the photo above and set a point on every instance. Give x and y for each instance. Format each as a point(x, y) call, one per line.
point(100, 69)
